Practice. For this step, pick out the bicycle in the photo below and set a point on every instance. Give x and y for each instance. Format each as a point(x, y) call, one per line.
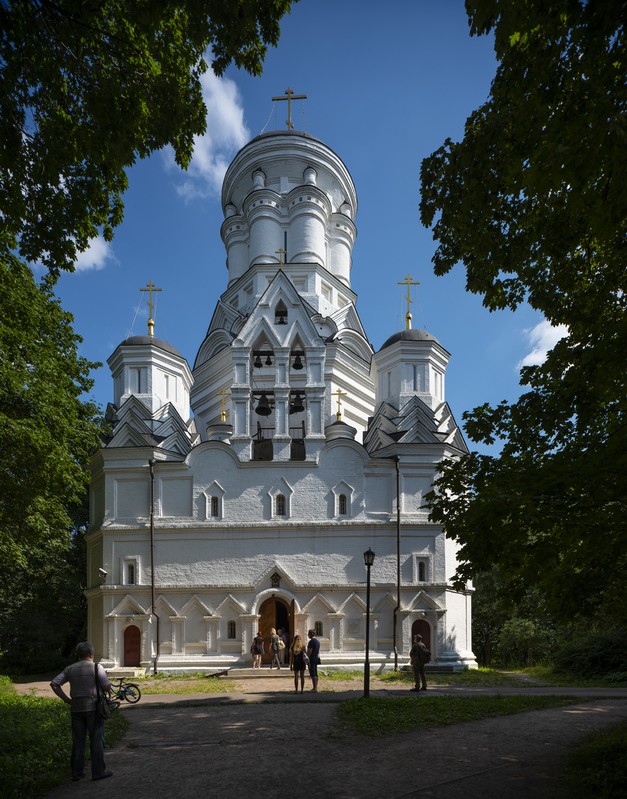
point(126, 691)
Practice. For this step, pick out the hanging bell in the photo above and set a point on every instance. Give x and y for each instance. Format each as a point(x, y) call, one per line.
point(258, 363)
point(280, 318)
point(268, 360)
point(298, 364)
point(296, 405)
point(263, 407)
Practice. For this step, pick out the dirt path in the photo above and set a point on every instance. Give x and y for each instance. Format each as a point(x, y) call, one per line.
point(216, 746)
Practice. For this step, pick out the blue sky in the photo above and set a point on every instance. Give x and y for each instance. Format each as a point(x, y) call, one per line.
point(386, 84)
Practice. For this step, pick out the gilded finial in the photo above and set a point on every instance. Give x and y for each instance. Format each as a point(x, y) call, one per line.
point(408, 282)
point(150, 287)
point(280, 252)
point(225, 394)
point(289, 96)
point(339, 394)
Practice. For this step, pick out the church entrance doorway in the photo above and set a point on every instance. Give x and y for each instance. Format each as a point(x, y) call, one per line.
point(274, 612)
point(132, 646)
point(421, 627)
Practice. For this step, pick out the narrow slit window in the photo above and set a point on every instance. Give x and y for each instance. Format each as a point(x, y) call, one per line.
point(231, 630)
point(280, 505)
point(318, 627)
point(215, 507)
point(342, 505)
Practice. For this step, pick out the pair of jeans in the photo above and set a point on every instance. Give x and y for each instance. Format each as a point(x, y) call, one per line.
point(84, 724)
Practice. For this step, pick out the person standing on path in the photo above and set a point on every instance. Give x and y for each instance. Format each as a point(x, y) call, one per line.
point(84, 717)
point(257, 650)
point(297, 662)
point(313, 653)
point(274, 646)
point(419, 656)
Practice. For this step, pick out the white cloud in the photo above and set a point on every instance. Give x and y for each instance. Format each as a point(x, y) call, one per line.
point(226, 133)
point(95, 256)
point(541, 338)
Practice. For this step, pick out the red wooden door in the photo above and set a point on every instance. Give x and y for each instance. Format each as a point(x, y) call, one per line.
point(132, 646)
point(420, 627)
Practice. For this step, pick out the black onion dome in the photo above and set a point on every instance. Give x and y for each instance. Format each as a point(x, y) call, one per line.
point(141, 341)
point(409, 335)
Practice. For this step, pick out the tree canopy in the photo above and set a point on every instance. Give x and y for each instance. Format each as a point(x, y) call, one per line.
point(86, 88)
point(533, 203)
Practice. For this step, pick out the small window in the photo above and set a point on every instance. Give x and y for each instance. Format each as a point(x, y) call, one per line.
point(342, 505)
point(422, 571)
point(280, 314)
point(215, 507)
point(231, 630)
point(130, 574)
point(319, 629)
point(280, 505)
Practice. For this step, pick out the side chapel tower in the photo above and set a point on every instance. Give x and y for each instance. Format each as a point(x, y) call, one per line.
point(241, 494)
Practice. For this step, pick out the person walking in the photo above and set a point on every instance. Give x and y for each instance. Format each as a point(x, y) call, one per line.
point(284, 655)
point(419, 655)
point(257, 650)
point(82, 677)
point(313, 653)
point(297, 662)
point(274, 646)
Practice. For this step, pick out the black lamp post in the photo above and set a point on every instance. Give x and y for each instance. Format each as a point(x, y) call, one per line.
point(368, 560)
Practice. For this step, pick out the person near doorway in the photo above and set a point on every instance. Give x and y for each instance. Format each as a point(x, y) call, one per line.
point(313, 653)
point(283, 650)
point(257, 649)
point(419, 656)
point(274, 646)
point(84, 717)
point(297, 662)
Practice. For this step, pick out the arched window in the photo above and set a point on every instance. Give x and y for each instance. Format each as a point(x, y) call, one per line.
point(342, 505)
point(231, 630)
point(280, 314)
point(319, 629)
point(215, 507)
point(280, 505)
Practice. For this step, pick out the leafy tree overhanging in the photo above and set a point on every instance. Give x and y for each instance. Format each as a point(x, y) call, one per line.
point(532, 202)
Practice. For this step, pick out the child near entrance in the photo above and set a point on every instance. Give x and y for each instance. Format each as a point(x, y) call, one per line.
point(257, 650)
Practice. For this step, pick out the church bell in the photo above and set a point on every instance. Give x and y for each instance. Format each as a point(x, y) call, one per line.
point(263, 406)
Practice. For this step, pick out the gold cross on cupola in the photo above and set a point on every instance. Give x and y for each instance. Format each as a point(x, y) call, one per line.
point(150, 287)
point(289, 96)
point(339, 394)
point(409, 283)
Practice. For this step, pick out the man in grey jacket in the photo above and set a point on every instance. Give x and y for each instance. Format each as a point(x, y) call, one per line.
point(85, 719)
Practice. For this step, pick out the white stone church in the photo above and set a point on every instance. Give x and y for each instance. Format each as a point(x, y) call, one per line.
point(241, 494)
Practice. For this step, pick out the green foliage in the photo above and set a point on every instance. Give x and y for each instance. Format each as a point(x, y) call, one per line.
point(87, 88)
point(598, 766)
point(47, 437)
point(533, 202)
point(596, 654)
point(377, 717)
point(35, 742)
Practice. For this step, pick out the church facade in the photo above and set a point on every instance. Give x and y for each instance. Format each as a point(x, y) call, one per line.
point(241, 494)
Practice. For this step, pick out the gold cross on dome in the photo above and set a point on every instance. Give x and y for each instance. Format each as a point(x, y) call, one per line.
point(225, 394)
point(150, 287)
point(408, 282)
point(339, 394)
point(280, 252)
point(289, 96)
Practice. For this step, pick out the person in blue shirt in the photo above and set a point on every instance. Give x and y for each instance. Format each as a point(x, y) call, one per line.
point(313, 653)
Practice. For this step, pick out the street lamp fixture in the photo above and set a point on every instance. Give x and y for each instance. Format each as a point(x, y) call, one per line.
point(368, 561)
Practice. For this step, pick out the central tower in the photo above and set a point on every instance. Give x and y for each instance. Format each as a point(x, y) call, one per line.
point(285, 336)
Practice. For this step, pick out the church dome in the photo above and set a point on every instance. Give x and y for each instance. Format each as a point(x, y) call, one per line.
point(142, 341)
point(409, 335)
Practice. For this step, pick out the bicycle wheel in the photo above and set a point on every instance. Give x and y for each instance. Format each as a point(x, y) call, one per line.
point(132, 693)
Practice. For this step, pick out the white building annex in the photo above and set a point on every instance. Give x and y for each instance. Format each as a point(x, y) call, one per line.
point(241, 494)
